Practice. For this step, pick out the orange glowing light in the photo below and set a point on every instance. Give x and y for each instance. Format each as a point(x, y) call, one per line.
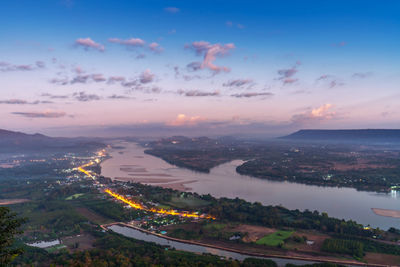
point(159, 211)
point(140, 206)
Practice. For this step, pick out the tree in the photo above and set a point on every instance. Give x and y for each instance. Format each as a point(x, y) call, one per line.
point(9, 227)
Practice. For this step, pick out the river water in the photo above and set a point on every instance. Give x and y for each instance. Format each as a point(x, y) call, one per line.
point(133, 233)
point(223, 181)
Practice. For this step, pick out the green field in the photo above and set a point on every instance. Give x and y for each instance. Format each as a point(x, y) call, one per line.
point(274, 239)
point(55, 248)
point(187, 202)
point(74, 196)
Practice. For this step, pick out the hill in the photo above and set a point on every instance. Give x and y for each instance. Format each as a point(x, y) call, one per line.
point(353, 136)
point(16, 141)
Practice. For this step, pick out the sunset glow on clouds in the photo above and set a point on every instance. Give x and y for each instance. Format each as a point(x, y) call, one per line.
point(275, 67)
point(182, 119)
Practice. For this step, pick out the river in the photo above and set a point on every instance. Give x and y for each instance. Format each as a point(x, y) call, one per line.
point(133, 233)
point(223, 181)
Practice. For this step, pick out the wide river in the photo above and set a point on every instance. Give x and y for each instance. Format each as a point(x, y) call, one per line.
point(223, 181)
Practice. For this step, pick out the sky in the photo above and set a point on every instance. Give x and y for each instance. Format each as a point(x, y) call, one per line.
point(265, 68)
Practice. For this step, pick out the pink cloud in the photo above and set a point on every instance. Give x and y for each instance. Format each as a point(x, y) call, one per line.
point(286, 75)
point(113, 79)
point(146, 77)
point(155, 47)
point(289, 80)
point(78, 70)
point(182, 119)
point(132, 42)
point(98, 77)
point(210, 52)
point(320, 113)
point(88, 43)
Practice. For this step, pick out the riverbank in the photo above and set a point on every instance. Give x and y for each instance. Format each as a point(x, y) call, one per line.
point(5, 202)
point(298, 257)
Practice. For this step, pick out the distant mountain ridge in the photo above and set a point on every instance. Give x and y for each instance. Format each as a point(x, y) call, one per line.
point(359, 135)
point(11, 141)
point(13, 135)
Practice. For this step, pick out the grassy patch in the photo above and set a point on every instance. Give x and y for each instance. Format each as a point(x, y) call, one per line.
point(215, 226)
point(274, 239)
point(75, 196)
point(187, 202)
point(55, 248)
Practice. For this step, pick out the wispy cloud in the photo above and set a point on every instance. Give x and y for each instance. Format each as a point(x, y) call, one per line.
point(51, 96)
point(98, 77)
point(252, 94)
point(362, 75)
point(6, 66)
point(330, 80)
point(238, 83)
point(116, 79)
point(14, 102)
point(232, 24)
point(45, 114)
point(23, 102)
point(132, 42)
point(137, 42)
point(194, 66)
point(88, 43)
point(287, 75)
point(119, 97)
point(60, 81)
point(84, 97)
point(80, 79)
point(197, 93)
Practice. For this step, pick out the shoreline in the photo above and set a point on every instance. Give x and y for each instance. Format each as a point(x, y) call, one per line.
point(250, 254)
point(4, 202)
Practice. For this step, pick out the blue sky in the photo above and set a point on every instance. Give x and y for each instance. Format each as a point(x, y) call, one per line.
point(265, 66)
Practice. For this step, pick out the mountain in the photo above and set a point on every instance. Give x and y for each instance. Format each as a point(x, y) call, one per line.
point(351, 136)
point(16, 141)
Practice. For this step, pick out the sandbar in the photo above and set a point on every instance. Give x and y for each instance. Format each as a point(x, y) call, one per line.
point(387, 213)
